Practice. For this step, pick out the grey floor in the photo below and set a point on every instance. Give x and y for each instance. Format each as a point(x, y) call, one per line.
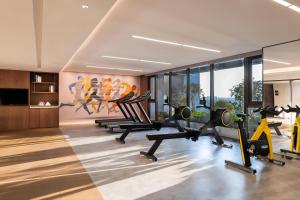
point(186, 170)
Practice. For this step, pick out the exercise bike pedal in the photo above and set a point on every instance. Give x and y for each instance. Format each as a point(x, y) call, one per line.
point(120, 140)
point(229, 146)
point(240, 167)
point(151, 157)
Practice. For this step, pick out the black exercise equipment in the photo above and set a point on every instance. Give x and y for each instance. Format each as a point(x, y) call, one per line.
point(130, 102)
point(260, 144)
point(147, 125)
point(295, 135)
point(180, 113)
point(124, 110)
point(220, 117)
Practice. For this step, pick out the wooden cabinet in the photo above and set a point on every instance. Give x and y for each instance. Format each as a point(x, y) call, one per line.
point(34, 116)
point(49, 117)
point(14, 79)
point(44, 117)
point(14, 117)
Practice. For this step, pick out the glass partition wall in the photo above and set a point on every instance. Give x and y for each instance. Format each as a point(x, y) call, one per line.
point(234, 84)
point(281, 80)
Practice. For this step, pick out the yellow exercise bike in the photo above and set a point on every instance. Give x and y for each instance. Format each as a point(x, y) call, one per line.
point(295, 136)
point(260, 144)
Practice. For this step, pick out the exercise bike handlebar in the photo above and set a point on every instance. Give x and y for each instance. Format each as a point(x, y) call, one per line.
point(268, 110)
point(295, 109)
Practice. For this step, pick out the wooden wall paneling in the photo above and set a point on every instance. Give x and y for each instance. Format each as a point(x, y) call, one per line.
point(14, 117)
point(14, 79)
point(49, 117)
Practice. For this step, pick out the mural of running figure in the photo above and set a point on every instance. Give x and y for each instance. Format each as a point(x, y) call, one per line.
point(93, 95)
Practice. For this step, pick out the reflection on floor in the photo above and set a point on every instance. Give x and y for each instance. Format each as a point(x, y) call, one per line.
point(39, 164)
point(286, 126)
point(185, 170)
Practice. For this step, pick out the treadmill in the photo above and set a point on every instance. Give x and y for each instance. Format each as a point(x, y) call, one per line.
point(123, 108)
point(115, 128)
point(142, 126)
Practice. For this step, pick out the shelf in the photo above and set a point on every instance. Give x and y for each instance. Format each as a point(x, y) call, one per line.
point(44, 83)
point(42, 107)
point(44, 92)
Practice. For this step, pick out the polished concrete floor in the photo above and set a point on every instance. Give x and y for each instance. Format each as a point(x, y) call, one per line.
point(40, 164)
point(185, 170)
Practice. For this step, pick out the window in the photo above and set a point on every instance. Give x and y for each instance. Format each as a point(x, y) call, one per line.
point(256, 80)
point(179, 88)
point(200, 93)
point(162, 96)
point(229, 85)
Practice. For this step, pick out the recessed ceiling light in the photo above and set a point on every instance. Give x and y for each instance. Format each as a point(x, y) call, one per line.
point(295, 8)
point(201, 48)
point(276, 61)
point(281, 70)
point(135, 59)
point(156, 40)
point(84, 6)
point(112, 68)
point(282, 2)
point(174, 43)
point(120, 58)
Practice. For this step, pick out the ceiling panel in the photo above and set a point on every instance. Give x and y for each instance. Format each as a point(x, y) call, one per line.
point(233, 27)
point(17, 36)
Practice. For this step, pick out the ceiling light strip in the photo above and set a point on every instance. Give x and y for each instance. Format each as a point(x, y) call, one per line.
point(120, 58)
point(295, 8)
point(112, 68)
point(282, 2)
point(280, 70)
point(156, 40)
point(276, 61)
point(174, 43)
point(135, 59)
point(288, 4)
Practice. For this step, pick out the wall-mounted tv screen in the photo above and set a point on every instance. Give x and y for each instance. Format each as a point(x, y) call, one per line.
point(13, 96)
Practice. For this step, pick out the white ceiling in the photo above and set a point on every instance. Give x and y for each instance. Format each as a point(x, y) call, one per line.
point(74, 37)
point(65, 25)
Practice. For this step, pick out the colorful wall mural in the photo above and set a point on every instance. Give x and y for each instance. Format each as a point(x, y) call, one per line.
point(88, 95)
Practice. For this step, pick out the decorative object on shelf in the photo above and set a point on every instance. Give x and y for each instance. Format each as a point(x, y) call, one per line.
point(48, 103)
point(38, 78)
point(41, 103)
point(51, 88)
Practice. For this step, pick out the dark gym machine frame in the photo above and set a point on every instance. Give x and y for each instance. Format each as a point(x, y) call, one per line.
point(189, 133)
point(132, 112)
point(148, 125)
point(123, 108)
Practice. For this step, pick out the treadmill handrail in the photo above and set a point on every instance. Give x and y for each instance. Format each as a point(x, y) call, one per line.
point(126, 97)
point(140, 98)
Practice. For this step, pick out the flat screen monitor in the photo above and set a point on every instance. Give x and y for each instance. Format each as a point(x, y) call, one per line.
point(13, 96)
